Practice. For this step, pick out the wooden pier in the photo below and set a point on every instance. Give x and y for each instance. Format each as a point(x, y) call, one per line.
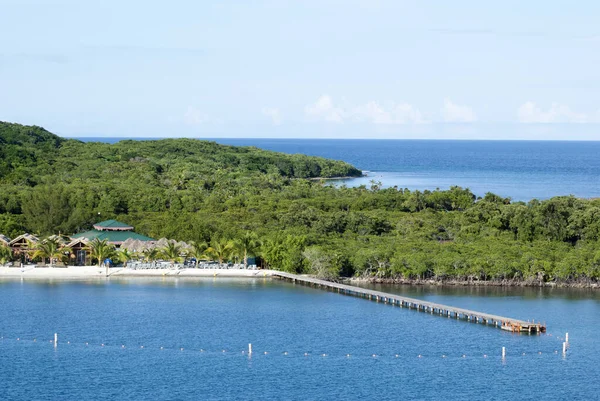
point(504, 323)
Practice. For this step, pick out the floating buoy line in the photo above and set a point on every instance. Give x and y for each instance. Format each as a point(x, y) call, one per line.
point(502, 354)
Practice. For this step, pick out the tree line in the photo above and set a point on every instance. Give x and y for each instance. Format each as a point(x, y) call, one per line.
point(199, 191)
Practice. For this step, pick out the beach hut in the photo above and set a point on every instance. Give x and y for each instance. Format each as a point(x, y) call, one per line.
point(23, 246)
point(79, 254)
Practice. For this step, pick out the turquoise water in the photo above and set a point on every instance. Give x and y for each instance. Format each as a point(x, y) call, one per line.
point(185, 316)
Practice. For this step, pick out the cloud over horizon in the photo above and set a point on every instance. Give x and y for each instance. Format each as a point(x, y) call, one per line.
point(454, 113)
point(529, 112)
point(371, 112)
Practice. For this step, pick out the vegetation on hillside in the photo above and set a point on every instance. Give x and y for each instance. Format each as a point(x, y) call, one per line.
point(214, 195)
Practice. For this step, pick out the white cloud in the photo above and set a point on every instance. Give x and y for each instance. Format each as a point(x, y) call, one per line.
point(324, 109)
point(402, 113)
point(455, 113)
point(529, 112)
point(273, 113)
point(193, 116)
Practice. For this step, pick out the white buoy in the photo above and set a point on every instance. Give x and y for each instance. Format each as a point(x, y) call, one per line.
point(503, 352)
point(249, 349)
point(55, 339)
point(567, 337)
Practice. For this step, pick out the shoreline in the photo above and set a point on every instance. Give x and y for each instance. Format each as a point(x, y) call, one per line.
point(472, 283)
point(94, 272)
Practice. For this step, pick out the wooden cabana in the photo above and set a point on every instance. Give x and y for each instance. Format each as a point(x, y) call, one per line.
point(79, 253)
point(23, 246)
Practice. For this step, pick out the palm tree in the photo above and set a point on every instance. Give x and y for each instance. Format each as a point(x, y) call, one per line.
point(49, 248)
point(247, 245)
point(125, 255)
point(5, 254)
point(171, 252)
point(151, 254)
point(220, 250)
point(198, 250)
point(101, 250)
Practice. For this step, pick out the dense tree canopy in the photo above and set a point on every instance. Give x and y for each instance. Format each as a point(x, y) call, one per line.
point(211, 194)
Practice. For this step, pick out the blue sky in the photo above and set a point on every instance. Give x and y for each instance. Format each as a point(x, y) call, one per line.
point(326, 68)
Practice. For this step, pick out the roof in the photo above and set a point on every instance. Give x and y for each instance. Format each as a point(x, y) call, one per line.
point(56, 238)
point(112, 225)
point(78, 241)
point(23, 238)
point(115, 237)
point(4, 239)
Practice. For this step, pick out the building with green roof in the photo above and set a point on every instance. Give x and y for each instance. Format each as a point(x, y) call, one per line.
point(113, 231)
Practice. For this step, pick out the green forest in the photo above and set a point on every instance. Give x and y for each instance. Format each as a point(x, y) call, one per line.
point(195, 190)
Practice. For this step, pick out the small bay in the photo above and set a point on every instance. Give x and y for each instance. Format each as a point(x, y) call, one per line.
point(204, 325)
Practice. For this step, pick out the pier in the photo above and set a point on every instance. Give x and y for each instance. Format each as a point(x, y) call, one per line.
point(501, 322)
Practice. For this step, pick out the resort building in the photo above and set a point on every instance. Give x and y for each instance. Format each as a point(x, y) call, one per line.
point(4, 240)
point(113, 231)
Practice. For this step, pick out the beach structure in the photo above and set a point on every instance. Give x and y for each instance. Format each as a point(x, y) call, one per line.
point(23, 246)
point(114, 232)
point(79, 253)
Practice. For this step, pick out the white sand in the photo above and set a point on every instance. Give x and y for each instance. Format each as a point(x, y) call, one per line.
point(72, 272)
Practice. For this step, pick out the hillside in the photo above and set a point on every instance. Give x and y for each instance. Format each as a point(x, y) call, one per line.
point(195, 190)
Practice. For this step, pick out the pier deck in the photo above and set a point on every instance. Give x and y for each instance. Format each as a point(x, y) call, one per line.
point(504, 323)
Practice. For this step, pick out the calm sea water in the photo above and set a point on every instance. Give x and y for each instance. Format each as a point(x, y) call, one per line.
point(185, 316)
point(522, 170)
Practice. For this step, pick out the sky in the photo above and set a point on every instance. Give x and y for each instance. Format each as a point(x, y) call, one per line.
point(310, 68)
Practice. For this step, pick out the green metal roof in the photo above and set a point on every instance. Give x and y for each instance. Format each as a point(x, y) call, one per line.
point(112, 224)
point(112, 236)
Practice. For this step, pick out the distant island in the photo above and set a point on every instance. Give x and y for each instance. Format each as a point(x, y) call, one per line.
point(204, 193)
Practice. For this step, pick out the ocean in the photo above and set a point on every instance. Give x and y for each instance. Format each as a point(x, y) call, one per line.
point(187, 339)
point(520, 170)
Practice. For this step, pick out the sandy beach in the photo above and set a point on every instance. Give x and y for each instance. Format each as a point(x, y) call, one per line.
point(79, 272)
